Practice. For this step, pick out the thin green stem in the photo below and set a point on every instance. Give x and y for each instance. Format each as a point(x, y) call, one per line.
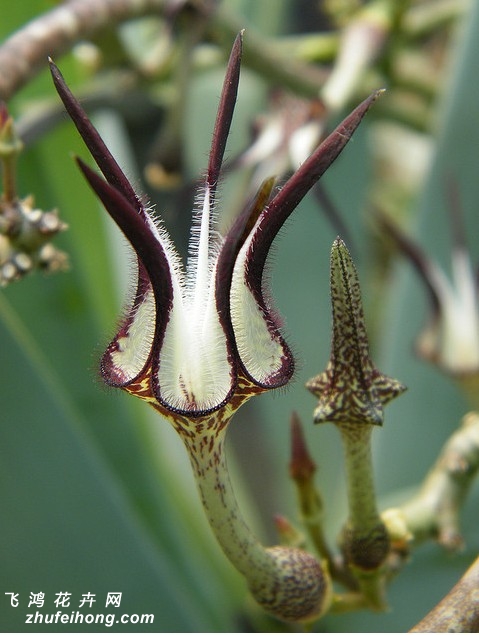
point(9, 194)
point(302, 469)
point(363, 512)
point(287, 582)
point(10, 147)
point(219, 502)
point(365, 539)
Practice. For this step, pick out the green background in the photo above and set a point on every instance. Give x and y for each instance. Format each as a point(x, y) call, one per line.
point(96, 493)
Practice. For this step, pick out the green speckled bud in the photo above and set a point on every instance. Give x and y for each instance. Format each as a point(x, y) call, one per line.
point(301, 589)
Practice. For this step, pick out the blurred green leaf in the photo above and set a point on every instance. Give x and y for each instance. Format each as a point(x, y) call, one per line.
point(96, 491)
point(66, 524)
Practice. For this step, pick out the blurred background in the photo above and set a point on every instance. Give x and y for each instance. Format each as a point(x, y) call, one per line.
point(96, 492)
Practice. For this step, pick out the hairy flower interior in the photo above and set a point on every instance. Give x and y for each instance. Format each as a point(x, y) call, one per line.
point(194, 334)
point(194, 369)
point(261, 348)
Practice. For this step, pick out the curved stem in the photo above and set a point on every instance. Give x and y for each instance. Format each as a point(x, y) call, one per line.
point(26, 51)
point(240, 545)
point(365, 540)
point(458, 612)
point(287, 582)
point(53, 33)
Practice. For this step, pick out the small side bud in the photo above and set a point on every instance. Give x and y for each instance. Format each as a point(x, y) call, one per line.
point(25, 235)
point(287, 532)
point(10, 143)
point(301, 467)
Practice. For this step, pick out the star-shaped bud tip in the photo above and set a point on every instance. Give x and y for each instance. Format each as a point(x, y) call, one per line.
point(351, 389)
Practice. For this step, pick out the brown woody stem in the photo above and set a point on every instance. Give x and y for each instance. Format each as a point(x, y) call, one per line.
point(458, 612)
point(55, 32)
point(26, 51)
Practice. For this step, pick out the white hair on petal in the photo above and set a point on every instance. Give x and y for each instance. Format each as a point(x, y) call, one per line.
point(260, 347)
point(194, 370)
point(202, 222)
point(155, 223)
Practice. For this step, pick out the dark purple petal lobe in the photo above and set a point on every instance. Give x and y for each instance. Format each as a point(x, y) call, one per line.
point(264, 353)
point(234, 240)
point(105, 161)
point(103, 157)
point(141, 237)
point(224, 115)
point(297, 186)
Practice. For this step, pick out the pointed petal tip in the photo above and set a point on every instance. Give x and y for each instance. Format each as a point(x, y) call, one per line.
point(378, 93)
point(372, 98)
point(225, 113)
point(57, 77)
point(239, 38)
point(352, 121)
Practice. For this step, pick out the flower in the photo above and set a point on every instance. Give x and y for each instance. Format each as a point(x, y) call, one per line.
point(283, 138)
point(450, 338)
point(198, 341)
point(201, 339)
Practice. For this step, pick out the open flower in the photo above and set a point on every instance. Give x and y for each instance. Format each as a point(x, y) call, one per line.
point(284, 137)
point(198, 341)
point(450, 338)
point(203, 338)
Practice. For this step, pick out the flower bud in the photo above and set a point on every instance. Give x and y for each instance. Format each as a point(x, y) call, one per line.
point(301, 591)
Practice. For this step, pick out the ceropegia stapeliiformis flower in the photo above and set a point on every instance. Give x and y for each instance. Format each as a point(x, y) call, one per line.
point(200, 340)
